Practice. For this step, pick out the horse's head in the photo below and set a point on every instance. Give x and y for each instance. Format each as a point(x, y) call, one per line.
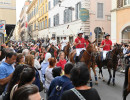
point(91, 48)
point(118, 49)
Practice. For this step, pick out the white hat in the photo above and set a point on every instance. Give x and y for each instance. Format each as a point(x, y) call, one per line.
point(80, 32)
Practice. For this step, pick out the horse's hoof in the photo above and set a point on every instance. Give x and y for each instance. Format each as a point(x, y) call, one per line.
point(114, 84)
point(108, 83)
point(103, 80)
point(99, 77)
point(96, 83)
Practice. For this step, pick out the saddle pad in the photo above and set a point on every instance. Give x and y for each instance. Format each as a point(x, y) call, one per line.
point(80, 56)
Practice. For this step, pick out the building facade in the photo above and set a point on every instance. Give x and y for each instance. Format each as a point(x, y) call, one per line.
point(120, 24)
point(33, 15)
point(62, 17)
point(23, 21)
point(8, 14)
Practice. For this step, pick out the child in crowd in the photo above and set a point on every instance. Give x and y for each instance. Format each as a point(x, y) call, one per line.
point(62, 60)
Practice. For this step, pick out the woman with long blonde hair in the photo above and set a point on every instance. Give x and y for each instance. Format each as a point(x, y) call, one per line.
point(29, 60)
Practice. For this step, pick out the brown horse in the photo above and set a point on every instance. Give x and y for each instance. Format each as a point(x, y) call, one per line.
point(67, 50)
point(88, 58)
point(111, 62)
point(126, 89)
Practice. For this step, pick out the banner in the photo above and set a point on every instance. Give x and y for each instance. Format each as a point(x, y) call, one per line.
point(84, 14)
point(2, 24)
point(5, 1)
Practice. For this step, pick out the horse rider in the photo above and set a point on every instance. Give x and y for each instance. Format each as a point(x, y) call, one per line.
point(53, 46)
point(86, 38)
point(80, 44)
point(64, 42)
point(106, 45)
point(53, 41)
point(127, 55)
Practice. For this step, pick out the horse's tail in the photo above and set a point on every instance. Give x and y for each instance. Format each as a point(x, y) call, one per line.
point(126, 81)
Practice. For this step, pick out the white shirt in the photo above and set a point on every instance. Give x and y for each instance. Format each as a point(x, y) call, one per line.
point(48, 76)
point(53, 42)
point(64, 42)
point(37, 64)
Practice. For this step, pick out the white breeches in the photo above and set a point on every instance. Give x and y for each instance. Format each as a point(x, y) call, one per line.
point(78, 50)
point(104, 54)
point(62, 47)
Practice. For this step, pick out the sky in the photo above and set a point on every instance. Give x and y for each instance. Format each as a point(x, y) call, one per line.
point(19, 6)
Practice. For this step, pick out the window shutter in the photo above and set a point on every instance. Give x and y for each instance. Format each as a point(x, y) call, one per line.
point(53, 2)
point(100, 10)
point(120, 3)
point(76, 11)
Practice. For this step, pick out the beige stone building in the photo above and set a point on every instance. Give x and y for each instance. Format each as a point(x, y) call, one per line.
point(33, 16)
point(23, 22)
point(8, 14)
point(120, 24)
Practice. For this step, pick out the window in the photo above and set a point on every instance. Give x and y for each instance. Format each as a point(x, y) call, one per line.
point(35, 26)
point(43, 24)
point(43, 10)
point(49, 22)
point(77, 9)
point(46, 7)
point(56, 20)
point(126, 2)
point(100, 10)
point(55, 2)
point(67, 15)
point(46, 23)
point(39, 26)
point(49, 5)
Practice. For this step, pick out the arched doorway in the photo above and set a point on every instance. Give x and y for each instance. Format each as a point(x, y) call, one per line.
point(126, 35)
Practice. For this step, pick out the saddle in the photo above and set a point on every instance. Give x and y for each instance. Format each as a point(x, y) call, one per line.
point(79, 57)
point(108, 57)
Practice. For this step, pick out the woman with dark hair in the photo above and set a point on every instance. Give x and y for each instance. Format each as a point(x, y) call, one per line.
point(80, 77)
point(27, 77)
point(27, 92)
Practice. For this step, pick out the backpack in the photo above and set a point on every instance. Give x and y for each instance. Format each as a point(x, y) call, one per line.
point(57, 92)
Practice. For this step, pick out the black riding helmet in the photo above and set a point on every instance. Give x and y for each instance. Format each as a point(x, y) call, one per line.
point(106, 35)
point(86, 37)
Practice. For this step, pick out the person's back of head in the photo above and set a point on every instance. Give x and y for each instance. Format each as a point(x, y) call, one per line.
point(52, 62)
point(29, 59)
point(79, 74)
point(27, 76)
point(25, 52)
point(68, 67)
point(27, 92)
point(56, 71)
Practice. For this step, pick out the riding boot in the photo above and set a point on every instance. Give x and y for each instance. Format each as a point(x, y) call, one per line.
point(91, 84)
point(77, 59)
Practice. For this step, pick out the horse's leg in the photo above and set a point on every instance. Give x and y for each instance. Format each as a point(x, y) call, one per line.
point(114, 72)
point(110, 76)
point(95, 74)
point(102, 75)
point(91, 84)
point(125, 93)
point(99, 73)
